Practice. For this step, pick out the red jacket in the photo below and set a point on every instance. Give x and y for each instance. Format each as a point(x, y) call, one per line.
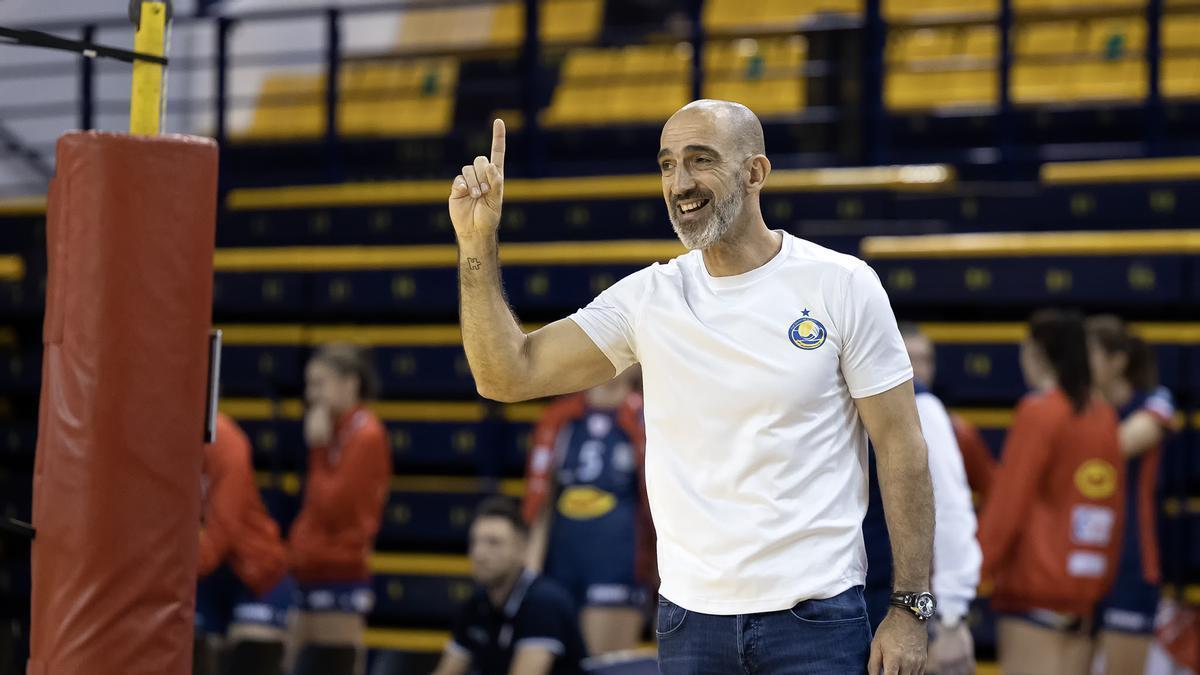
point(1051, 529)
point(344, 497)
point(237, 528)
point(977, 458)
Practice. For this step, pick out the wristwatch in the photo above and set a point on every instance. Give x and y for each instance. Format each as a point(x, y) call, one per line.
point(922, 605)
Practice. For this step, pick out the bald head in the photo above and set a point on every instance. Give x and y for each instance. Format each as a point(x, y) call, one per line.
point(735, 124)
point(712, 163)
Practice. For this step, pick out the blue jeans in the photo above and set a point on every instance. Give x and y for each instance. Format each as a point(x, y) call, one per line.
point(816, 637)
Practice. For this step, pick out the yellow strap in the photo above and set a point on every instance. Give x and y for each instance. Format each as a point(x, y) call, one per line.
point(146, 99)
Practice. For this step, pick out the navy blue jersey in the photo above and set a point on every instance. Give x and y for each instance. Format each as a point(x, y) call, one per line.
point(597, 470)
point(1131, 604)
point(586, 466)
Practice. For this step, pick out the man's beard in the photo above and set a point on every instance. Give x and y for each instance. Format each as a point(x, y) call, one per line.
point(706, 233)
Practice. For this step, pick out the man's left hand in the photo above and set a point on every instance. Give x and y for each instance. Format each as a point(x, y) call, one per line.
point(900, 646)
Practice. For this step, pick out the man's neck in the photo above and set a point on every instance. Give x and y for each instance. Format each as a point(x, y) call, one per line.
point(750, 249)
point(499, 593)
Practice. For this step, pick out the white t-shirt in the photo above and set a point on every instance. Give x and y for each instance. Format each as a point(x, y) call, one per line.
point(755, 455)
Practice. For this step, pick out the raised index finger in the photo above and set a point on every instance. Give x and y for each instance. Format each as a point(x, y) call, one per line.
point(498, 144)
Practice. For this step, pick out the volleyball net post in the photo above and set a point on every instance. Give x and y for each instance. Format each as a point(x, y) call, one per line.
point(147, 104)
point(126, 385)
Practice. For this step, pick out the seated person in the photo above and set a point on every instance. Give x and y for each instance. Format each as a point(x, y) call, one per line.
point(516, 622)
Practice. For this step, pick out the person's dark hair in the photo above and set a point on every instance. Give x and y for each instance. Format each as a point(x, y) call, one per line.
point(1061, 337)
point(1114, 337)
point(503, 507)
point(348, 359)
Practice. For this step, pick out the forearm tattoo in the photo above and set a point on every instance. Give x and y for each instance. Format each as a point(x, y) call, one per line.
point(474, 263)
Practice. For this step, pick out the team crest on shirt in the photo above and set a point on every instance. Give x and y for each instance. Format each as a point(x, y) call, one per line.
point(807, 333)
point(1096, 479)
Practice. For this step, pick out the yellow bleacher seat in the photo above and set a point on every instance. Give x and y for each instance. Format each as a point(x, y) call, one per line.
point(1041, 82)
point(397, 98)
point(1127, 33)
point(721, 16)
point(569, 105)
point(1081, 6)
point(1080, 59)
point(926, 90)
point(1180, 31)
point(777, 55)
point(980, 42)
point(570, 20)
point(1088, 81)
point(1181, 76)
point(437, 28)
point(917, 11)
point(915, 45)
point(656, 61)
point(730, 16)
point(764, 74)
point(904, 90)
point(560, 21)
point(787, 10)
point(1049, 38)
point(653, 102)
point(508, 24)
point(939, 67)
point(640, 83)
point(974, 87)
point(585, 64)
point(290, 105)
point(921, 44)
point(1107, 80)
point(767, 98)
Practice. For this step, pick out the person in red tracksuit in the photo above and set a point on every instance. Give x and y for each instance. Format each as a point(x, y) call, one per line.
point(1051, 528)
point(346, 489)
point(243, 594)
point(977, 456)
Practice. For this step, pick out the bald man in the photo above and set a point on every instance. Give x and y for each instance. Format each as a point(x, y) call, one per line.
point(766, 361)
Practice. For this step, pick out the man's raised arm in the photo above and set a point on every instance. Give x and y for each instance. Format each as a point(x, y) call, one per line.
point(507, 364)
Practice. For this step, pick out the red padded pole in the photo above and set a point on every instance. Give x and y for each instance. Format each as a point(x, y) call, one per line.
point(116, 495)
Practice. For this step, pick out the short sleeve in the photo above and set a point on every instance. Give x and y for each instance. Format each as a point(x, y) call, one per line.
point(873, 358)
point(610, 320)
point(544, 621)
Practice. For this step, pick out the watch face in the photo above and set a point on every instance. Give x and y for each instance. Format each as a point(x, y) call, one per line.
point(926, 606)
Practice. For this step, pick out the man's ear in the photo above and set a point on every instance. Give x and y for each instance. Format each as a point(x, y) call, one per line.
point(760, 168)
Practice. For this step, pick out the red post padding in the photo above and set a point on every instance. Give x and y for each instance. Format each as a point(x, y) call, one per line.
point(116, 494)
